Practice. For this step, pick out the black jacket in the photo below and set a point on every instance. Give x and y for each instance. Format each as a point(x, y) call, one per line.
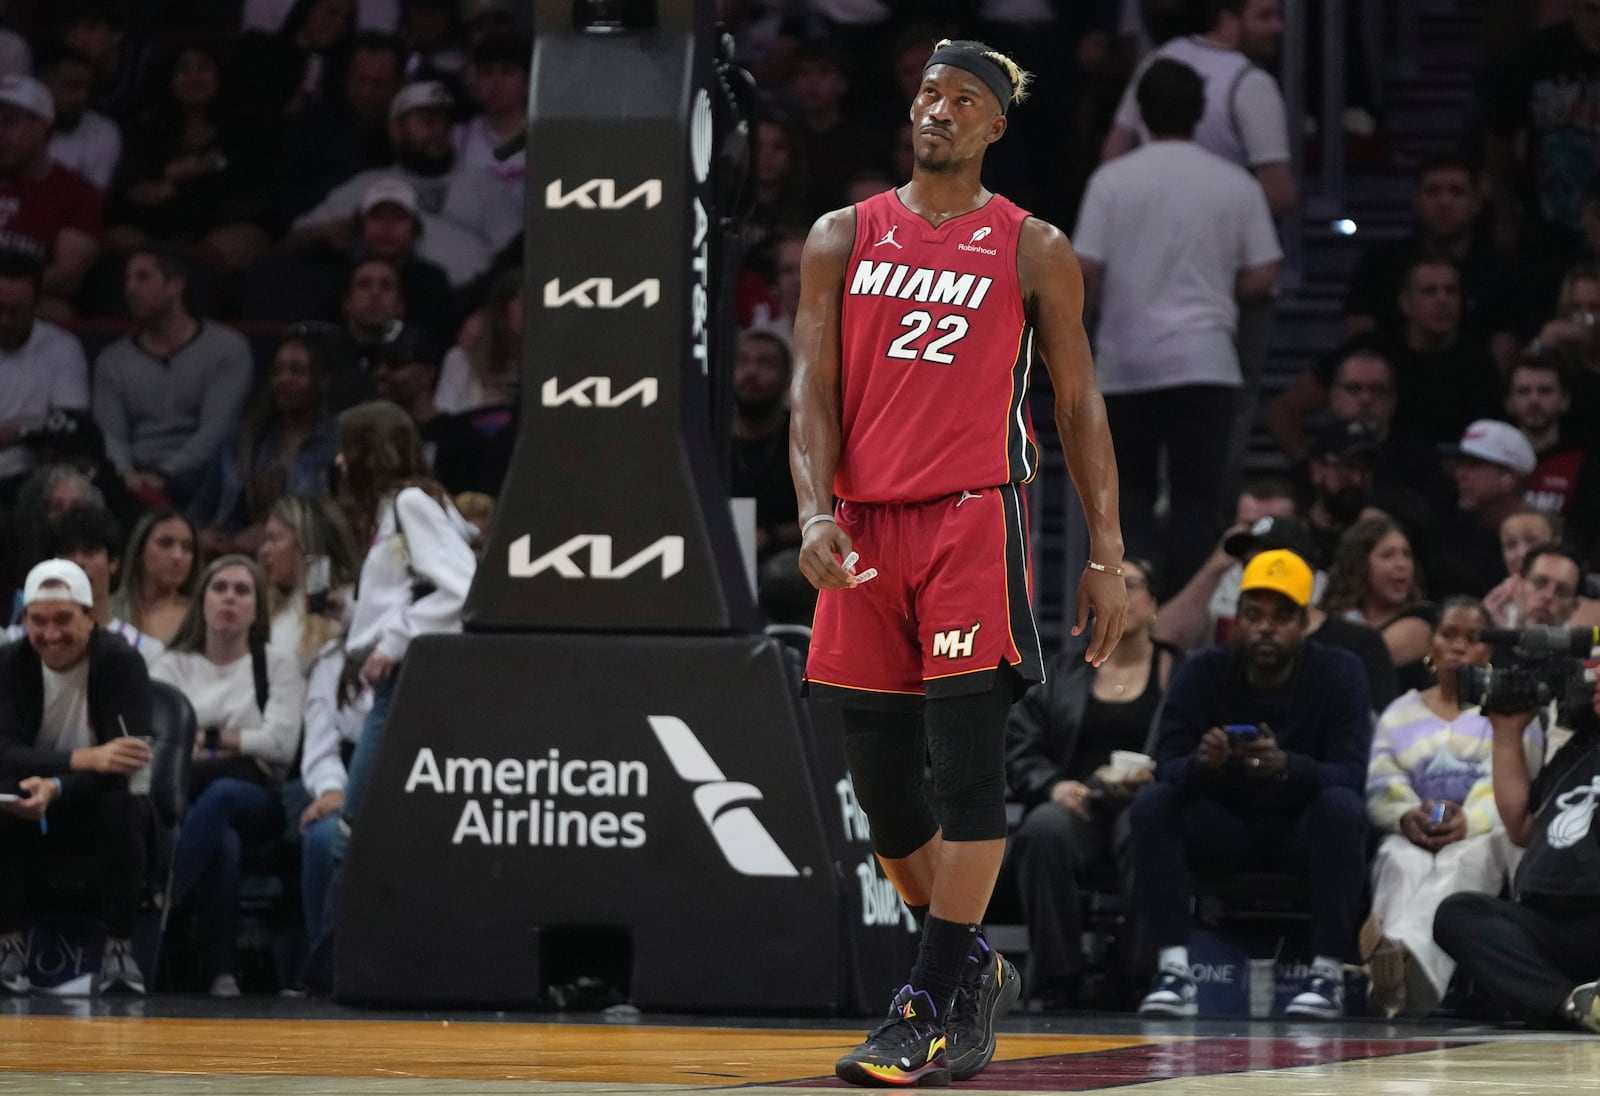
point(1042, 732)
point(119, 698)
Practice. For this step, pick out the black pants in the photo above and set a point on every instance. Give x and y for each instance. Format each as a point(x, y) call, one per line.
point(1527, 957)
point(1053, 853)
point(107, 824)
point(1176, 831)
point(1193, 424)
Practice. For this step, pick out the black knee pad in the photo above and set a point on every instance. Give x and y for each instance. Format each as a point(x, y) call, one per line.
point(887, 756)
point(966, 744)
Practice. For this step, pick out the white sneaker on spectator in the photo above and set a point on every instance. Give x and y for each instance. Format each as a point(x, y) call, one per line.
point(14, 964)
point(1174, 993)
point(1321, 997)
point(118, 968)
point(225, 985)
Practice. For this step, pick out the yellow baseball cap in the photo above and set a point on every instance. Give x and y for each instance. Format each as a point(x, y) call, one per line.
point(1282, 571)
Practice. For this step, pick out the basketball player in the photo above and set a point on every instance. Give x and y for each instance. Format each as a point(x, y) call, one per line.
point(918, 313)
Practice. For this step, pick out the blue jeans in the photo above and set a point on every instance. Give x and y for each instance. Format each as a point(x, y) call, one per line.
point(355, 789)
point(327, 840)
point(229, 814)
point(321, 849)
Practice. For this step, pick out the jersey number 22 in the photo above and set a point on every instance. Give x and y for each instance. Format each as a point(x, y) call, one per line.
point(918, 322)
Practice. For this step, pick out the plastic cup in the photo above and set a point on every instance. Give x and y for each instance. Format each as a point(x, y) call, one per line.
point(1263, 987)
point(139, 779)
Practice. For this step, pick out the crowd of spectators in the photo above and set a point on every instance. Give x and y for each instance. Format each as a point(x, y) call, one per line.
point(260, 304)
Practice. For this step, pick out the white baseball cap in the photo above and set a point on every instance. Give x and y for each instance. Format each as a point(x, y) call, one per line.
point(1496, 442)
point(390, 190)
point(45, 577)
point(26, 93)
point(421, 96)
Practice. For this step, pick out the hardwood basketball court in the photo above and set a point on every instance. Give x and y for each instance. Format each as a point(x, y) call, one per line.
point(269, 1046)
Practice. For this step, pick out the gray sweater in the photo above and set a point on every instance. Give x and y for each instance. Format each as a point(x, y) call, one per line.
point(169, 416)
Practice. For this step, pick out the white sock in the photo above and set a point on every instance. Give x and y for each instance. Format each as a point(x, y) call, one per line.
point(1173, 957)
point(1328, 967)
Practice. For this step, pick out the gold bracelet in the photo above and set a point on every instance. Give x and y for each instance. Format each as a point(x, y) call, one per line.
point(1113, 569)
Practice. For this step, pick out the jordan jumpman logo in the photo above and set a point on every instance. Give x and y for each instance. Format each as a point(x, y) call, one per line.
point(888, 238)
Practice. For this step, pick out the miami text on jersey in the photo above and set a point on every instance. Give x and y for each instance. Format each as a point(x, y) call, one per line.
point(919, 283)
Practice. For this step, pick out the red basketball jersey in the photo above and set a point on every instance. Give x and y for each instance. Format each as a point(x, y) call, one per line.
point(936, 350)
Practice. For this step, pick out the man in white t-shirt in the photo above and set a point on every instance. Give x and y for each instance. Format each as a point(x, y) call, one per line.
point(1167, 269)
point(83, 139)
point(74, 722)
point(497, 81)
point(468, 216)
point(1244, 120)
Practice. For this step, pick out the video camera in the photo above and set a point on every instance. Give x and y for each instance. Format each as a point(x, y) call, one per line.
point(1529, 668)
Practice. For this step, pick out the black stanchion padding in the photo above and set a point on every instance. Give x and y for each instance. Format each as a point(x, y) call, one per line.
point(613, 516)
point(656, 788)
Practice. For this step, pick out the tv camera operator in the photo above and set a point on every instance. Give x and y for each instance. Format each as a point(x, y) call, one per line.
point(1537, 954)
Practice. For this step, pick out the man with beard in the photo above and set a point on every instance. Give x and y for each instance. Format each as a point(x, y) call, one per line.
point(1551, 580)
point(166, 395)
point(1343, 460)
point(405, 372)
point(1491, 465)
point(42, 368)
point(467, 215)
point(1261, 763)
point(761, 371)
point(1566, 480)
point(907, 413)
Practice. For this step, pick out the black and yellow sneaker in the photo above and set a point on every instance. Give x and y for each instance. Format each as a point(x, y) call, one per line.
point(1583, 1007)
point(906, 1049)
point(989, 987)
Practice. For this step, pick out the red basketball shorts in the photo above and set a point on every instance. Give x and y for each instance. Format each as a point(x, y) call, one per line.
point(950, 603)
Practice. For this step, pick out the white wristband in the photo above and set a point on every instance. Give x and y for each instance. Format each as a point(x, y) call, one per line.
point(813, 519)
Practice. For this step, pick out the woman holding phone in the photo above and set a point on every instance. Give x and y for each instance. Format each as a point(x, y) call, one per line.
point(1429, 790)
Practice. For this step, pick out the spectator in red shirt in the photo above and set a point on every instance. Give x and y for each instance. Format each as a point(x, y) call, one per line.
point(1567, 478)
point(45, 209)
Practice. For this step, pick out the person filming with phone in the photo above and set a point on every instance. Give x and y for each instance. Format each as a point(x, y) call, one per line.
point(74, 730)
point(1261, 761)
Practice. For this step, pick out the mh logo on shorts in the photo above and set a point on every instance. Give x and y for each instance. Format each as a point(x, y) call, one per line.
point(955, 643)
point(745, 843)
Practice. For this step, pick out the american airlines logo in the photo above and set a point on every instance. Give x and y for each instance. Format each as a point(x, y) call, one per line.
point(602, 194)
point(596, 547)
point(601, 293)
point(919, 283)
point(596, 392)
point(745, 843)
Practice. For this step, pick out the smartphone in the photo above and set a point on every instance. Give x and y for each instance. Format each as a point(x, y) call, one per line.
point(319, 576)
point(1439, 811)
point(1243, 732)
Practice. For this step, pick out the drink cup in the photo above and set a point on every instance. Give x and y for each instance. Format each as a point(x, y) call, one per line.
point(1263, 987)
point(139, 779)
